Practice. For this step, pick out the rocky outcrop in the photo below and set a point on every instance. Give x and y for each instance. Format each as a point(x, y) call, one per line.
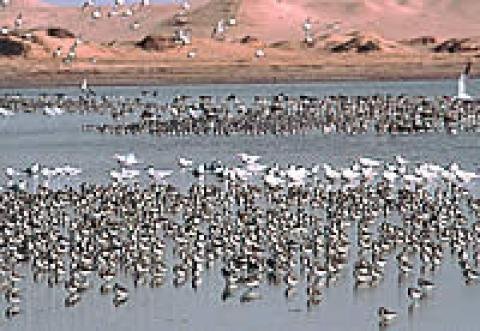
point(420, 41)
point(59, 33)
point(12, 47)
point(455, 45)
point(354, 42)
point(248, 40)
point(157, 43)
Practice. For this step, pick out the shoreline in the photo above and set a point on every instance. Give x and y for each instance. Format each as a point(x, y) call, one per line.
point(226, 74)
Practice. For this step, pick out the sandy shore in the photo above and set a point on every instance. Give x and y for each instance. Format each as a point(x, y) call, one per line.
point(30, 73)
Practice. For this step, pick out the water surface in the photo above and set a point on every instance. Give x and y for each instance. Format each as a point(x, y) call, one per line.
point(52, 141)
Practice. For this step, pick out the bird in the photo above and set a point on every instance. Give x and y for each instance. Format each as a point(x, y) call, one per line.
point(127, 160)
point(185, 163)
point(158, 175)
point(386, 316)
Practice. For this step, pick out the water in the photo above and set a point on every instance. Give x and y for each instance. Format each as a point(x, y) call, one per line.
point(53, 141)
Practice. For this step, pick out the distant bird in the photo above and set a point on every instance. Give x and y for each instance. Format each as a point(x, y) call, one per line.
point(414, 293)
point(57, 52)
point(386, 316)
point(260, 53)
point(33, 170)
point(19, 20)
point(185, 163)
point(126, 160)
point(11, 172)
point(135, 26)
point(5, 112)
point(96, 14)
point(186, 5)
point(366, 162)
point(53, 111)
point(247, 159)
point(158, 175)
point(307, 25)
point(127, 13)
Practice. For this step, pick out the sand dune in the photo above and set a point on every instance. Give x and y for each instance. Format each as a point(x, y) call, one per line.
point(269, 20)
point(353, 38)
point(395, 19)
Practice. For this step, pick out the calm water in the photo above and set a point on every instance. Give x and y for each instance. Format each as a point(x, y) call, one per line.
point(52, 141)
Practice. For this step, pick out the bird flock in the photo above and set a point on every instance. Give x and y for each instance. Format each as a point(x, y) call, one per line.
point(299, 229)
point(275, 115)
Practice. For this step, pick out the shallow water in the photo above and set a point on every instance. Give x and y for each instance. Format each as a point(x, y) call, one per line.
point(52, 141)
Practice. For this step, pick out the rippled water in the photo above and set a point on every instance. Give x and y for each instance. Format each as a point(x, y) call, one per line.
point(52, 141)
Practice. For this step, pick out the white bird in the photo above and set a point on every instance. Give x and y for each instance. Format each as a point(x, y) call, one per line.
point(124, 174)
point(55, 111)
point(135, 26)
point(307, 25)
point(255, 167)
point(127, 160)
point(33, 170)
point(349, 174)
point(6, 112)
point(272, 180)
point(411, 179)
point(389, 175)
point(242, 174)
point(466, 176)
point(68, 170)
point(47, 172)
point(260, 53)
point(158, 175)
point(185, 163)
point(96, 14)
point(330, 173)
point(369, 163)
point(11, 172)
point(400, 160)
point(296, 174)
point(248, 159)
point(127, 13)
point(186, 5)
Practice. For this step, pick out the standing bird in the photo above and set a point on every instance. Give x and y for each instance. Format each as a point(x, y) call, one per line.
point(385, 315)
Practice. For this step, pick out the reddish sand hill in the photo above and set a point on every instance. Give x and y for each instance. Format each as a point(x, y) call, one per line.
point(268, 20)
point(105, 29)
point(394, 19)
point(18, 4)
point(351, 39)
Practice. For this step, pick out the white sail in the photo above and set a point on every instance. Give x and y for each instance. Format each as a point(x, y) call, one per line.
point(462, 87)
point(84, 86)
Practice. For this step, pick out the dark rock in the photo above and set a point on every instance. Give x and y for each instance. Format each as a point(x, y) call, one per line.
point(368, 46)
point(248, 39)
point(157, 43)
point(421, 41)
point(60, 33)
point(454, 45)
point(9, 47)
